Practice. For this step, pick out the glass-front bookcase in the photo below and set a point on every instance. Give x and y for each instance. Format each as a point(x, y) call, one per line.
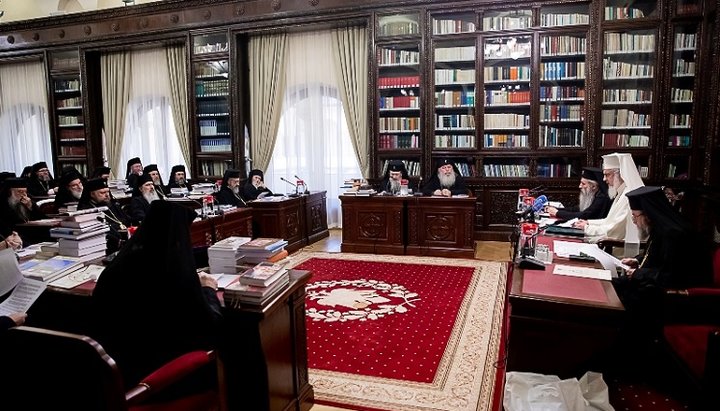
point(212, 124)
point(71, 145)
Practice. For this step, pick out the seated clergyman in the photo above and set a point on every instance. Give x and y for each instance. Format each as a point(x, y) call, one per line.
point(394, 176)
point(446, 182)
point(593, 200)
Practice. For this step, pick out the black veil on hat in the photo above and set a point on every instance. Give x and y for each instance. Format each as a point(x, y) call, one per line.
point(130, 163)
point(150, 167)
point(140, 181)
point(91, 185)
point(39, 166)
point(444, 161)
point(175, 169)
point(651, 201)
point(27, 172)
point(256, 172)
point(148, 304)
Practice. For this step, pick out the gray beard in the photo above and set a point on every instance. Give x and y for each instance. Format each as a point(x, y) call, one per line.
point(447, 181)
point(19, 208)
point(157, 183)
point(586, 198)
point(394, 186)
point(151, 196)
point(235, 190)
point(44, 179)
point(180, 181)
point(76, 194)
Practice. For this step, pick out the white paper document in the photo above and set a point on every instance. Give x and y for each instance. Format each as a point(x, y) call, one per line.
point(22, 297)
point(568, 248)
point(10, 273)
point(585, 272)
point(568, 223)
point(224, 280)
point(77, 277)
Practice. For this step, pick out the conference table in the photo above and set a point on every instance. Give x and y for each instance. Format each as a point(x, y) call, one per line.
point(412, 225)
point(560, 325)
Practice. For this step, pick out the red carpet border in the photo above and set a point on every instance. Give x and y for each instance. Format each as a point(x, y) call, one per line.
point(403, 333)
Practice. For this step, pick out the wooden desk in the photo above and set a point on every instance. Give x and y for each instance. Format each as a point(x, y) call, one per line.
point(299, 220)
point(373, 224)
point(204, 233)
point(263, 352)
point(408, 225)
point(440, 227)
point(559, 331)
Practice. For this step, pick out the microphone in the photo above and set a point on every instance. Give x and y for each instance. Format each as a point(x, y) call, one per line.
point(536, 207)
point(288, 181)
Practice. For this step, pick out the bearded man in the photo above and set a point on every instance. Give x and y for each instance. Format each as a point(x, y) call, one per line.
point(133, 171)
point(447, 182)
point(154, 173)
point(97, 194)
point(229, 192)
point(15, 205)
point(178, 178)
point(621, 175)
point(70, 189)
point(143, 195)
point(41, 183)
point(593, 200)
point(255, 186)
point(396, 172)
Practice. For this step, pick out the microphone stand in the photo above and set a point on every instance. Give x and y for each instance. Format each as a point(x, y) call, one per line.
point(292, 184)
point(525, 260)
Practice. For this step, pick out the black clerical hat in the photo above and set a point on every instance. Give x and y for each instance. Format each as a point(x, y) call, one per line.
point(150, 167)
point(177, 168)
point(95, 184)
point(39, 166)
point(396, 165)
point(641, 195)
point(16, 182)
point(256, 172)
point(592, 173)
point(133, 161)
point(143, 179)
point(230, 173)
point(5, 175)
point(69, 176)
point(101, 170)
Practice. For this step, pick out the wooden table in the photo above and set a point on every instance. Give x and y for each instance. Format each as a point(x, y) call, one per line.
point(300, 220)
point(560, 325)
point(435, 226)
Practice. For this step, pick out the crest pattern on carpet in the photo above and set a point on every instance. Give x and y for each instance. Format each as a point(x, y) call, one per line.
point(403, 333)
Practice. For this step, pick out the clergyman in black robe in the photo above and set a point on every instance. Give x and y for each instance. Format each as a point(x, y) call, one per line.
point(229, 192)
point(593, 202)
point(446, 182)
point(254, 187)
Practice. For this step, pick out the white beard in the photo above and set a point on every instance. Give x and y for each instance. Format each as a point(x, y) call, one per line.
point(15, 204)
point(394, 186)
point(235, 190)
point(586, 198)
point(151, 196)
point(447, 181)
point(76, 194)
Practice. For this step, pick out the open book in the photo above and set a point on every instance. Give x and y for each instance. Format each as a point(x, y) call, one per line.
point(24, 290)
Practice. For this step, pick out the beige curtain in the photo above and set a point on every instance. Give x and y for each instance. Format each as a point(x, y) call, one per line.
point(350, 50)
point(176, 57)
point(115, 81)
point(267, 54)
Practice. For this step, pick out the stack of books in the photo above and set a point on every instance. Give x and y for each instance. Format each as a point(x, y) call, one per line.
point(224, 256)
point(259, 284)
point(264, 249)
point(50, 270)
point(82, 234)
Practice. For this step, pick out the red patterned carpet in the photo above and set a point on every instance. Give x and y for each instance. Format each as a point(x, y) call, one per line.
point(403, 333)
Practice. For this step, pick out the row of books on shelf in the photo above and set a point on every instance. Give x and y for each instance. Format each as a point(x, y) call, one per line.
point(67, 85)
point(562, 45)
point(212, 88)
point(563, 19)
point(561, 137)
point(629, 42)
point(69, 120)
point(399, 102)
point(451, 54)
point(69, 133)
point(453, 121)
point(455, 141)
point(506, 170)
point(560, 93)
point(556, 112)
point(621, 70)
point(69, 102)
point(679, 141)
point(452, 26)
point(685, 41)
point(562, 70)
point(393, 141)
point(622, 13)
point(74, 150)
point(554, 170)
point(681, 120)
point(504, 96)
point(393, 56)
point(399, 124)
point(399, 82)
point(506, 140)
point(633, 95)
point(506, 73)
point(454, 76)
point(213, 127)
point(213, 168)
point(451, 98)
point(209, 145)
point(519, 21)
point(624, 118)
point(683, 67)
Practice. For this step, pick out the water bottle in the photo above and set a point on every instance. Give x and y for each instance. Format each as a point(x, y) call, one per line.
point(300, 187)
point(403, 187)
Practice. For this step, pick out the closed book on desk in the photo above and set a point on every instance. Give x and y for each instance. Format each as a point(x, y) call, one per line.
point(78, 234)
point(66, 243)
point(263, 244)
point(271, 257)
point(53, 268)
point(263, 274)
point(82, 252)
point(568, 231)
point(252, 295)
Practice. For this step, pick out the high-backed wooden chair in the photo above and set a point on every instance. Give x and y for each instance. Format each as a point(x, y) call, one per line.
point(48, 369)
